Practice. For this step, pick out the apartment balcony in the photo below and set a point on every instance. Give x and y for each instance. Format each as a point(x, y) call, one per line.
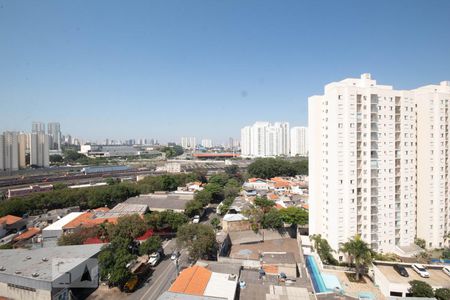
point(374, 108)
point(374, 127)
point(374, 163)
point(374, 136)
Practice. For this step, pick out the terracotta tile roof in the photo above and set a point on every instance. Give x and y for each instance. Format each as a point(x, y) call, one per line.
point(279, 206)
point(272, 196)
point(102, 209)
point(270, 269)
point(279, 184)
point(10, 219)
point(32, 231)
point(145, 236)
point(192, 281)
point(86, 220)
point(93, 240)
point(277, 179)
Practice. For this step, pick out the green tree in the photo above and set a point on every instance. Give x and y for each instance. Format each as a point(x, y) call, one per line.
point(113, 260)
point(173, 219)
point(215, 222)
point(193, 207)
point(264, 204)
point(204, 196)
point(199, 239)
point(323, 249)
point(420, 242)
point(151, 245)
point(442, 294)
point(216, 191)
point(420, 289)
point(112, 181)
point(127, 227)
point(359, 253)
point(272, 167)
point(294, 216)
point(272, 219)
point(232, 170)
point(220, 179)
point(153, 220)
point(56, 158)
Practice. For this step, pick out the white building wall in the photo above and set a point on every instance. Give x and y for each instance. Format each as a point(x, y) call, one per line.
point(352, 167)
point(39, 149)
point(299, 141)
point(433, 205)
point(264, 139)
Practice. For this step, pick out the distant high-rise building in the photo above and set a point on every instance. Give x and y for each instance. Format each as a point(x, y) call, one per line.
point(39, 149)
point(54, 132)
point(9, 152)
point(207, 143)
point(188, 142)
point(265, 139)
point(299, 141)
point(23, 147)
point(37, 127)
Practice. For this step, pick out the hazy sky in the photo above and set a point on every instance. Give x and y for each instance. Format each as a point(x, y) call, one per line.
point(166, 69)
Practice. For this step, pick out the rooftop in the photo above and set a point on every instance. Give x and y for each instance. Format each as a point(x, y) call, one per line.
point(9, 219)
point(437, 277)
point(29, 233)
point(23, 263)
point(249, 236)
point(58, 225)
point(162, 201)
point(253, 251)
point(191, 281)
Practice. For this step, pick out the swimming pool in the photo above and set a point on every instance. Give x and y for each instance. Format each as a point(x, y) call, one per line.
point(316, 278)
point(322, 282)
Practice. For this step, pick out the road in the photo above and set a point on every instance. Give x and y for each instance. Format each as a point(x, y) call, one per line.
point(162, 277)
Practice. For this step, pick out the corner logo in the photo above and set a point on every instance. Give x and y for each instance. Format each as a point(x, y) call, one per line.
point(74, 273)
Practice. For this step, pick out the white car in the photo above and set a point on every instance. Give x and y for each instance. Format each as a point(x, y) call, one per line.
point(446, 270)
point(154, 259)
point(421, 270)
point(196, 219)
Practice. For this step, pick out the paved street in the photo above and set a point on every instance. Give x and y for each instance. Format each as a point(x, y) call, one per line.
point(162, 277)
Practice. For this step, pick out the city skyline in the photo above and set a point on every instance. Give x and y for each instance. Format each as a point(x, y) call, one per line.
point(62, 62)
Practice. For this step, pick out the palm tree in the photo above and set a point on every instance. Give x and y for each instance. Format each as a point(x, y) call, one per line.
point(359, 253)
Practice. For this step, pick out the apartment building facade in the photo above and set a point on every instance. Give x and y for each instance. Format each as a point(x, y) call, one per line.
point(433, 204)
point(264, 139)
point(299, 141)
point(362, 164)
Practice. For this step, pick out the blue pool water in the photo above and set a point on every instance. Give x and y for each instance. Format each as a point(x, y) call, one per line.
point(322, 282)
point(316, 278)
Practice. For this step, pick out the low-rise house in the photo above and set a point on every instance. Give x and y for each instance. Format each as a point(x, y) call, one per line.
point(197, 282)
point(257, 184)
point(235, 222)
point(55, 230)
point(25, 236)
point(11, 224)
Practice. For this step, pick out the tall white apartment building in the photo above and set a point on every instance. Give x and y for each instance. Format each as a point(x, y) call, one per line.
point(207, 143)
point(9, 151)
point(54, 132)
point(362, 164)
point(37, 127)
point(299, 141)
point(13, 148)
point(433, 203)
point(39, 149)
point(188, 142)
point(264, 139)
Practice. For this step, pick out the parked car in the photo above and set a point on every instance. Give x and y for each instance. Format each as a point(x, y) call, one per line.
point(401, 270)
point(446, 270)
point(421, 270)
point(131, 284)
point(175, 255)
point(154, 259)
point(196, 219)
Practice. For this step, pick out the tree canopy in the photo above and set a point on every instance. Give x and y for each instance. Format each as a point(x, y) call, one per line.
point(420, 289)
point(359, 253)
point(273, 167)
point(199, 239)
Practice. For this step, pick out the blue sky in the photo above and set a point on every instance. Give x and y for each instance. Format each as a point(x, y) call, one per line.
point(167, 69)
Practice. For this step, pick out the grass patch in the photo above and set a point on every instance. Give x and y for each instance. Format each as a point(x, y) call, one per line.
point(352, 278)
